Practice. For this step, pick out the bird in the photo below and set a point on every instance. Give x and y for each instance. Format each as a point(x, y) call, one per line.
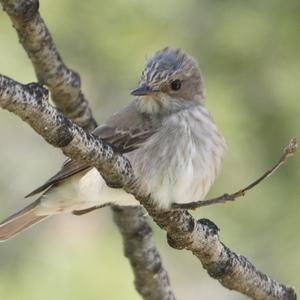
point(167, 134)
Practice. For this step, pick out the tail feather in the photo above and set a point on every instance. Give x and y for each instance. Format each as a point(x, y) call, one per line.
point(20, 221)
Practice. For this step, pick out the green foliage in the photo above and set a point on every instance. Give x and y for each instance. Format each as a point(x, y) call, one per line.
point(249, 53)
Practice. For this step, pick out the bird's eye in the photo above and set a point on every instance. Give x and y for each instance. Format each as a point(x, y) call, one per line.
point(176, 85)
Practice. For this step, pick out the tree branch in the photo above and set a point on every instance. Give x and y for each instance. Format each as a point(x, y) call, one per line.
point(289, 150)
point(151, 280)
point(64, 83)
point(184, 232)
point(65, 87)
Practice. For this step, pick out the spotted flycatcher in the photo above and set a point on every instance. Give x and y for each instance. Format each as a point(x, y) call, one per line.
point(168, 136)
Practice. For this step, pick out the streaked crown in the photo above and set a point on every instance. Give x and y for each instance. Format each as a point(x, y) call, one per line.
point(174, 72)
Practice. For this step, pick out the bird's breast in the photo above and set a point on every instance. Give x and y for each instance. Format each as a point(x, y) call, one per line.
point(179, 163)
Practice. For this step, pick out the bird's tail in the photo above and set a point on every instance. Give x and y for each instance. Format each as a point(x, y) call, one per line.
point(20, 221)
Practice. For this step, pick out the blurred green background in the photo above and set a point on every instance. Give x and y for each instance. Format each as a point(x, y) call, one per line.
point(249, 53)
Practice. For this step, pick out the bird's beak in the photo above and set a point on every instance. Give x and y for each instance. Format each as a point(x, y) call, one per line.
point(143, 90)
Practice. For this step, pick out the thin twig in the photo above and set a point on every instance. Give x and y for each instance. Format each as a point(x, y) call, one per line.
point(289, 150)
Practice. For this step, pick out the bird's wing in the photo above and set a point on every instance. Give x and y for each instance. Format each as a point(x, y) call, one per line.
point(69, 168)
point(125, 130)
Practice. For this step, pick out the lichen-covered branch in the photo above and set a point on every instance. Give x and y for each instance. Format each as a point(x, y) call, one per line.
point(151, 279)
point(233, 271)
point(200, 237)
point(66, 93)
point(30, 102)
point(64, 83)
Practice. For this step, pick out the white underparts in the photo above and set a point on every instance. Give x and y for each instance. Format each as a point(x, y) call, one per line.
point(82, 192)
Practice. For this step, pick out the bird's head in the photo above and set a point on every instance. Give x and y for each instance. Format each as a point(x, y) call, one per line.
point(170, 81)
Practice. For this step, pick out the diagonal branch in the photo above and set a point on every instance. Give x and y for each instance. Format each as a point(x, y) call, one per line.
point(289, 150)
point(64, 83)
point(184, 232)
point(66, 93)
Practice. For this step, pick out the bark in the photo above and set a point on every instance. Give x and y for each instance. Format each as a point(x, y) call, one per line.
point(184, 232)
point(151, 279)
point(64, 83)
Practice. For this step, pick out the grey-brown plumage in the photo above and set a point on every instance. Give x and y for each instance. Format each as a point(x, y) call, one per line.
point(167, 134)
point(20, 221)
